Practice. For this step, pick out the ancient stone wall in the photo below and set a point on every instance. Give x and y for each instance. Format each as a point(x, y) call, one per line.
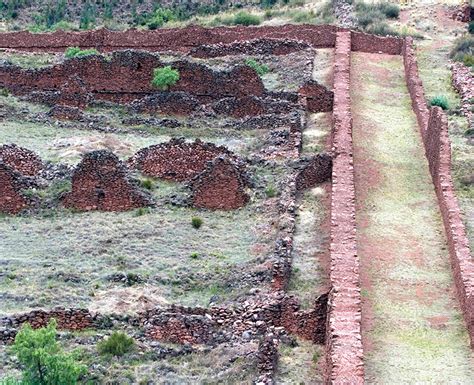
point(100, 182)
point(415, 86)
point(318, 97)
point(438, 152)
point(433, 126)
point(251, 47)
point(20, 159)
point(221, 186)
point(128, 76)
point(365, 42)
point(344, 342)
point(12, 200)
point(177, 159)
point(186, 39)
point(317, 170)
point(463, 82)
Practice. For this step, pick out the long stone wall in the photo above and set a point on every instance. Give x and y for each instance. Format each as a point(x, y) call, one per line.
point(344, 342)
point(187, 39)
point(434, 130)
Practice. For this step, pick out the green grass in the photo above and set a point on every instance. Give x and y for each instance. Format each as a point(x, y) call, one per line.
point(401, 239)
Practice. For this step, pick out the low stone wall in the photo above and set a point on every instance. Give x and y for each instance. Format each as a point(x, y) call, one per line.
point(317, 170)
point(415, 86)
point(438, 152)
point(100, 182)
point(252, 106)
point(344, 342)
point(433, 126)
point(251, 47)
point(177, 159)
point(318, 98)
point(12, 200)
point(221, 186)
point(188, 38)
point(20, 159)
point(463, 82)
point(365, 42)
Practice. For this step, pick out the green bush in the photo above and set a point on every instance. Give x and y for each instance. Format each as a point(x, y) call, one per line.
point(271, 192)
point(42, 359)
point(88, 13)
point(148, 184)
point(390, 10)
point(244, 18)
point(164, 77)
point(116, 345)
point(196, 222)
point(440, 101)
point(261, 69)
point(160, 17)
point(303, 16)
point(463, 50)
point(381, 28)
point(77, 52)
point(470, 28)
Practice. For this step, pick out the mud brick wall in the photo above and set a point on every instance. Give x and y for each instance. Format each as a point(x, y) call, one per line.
point(318, 97)
point(11, 199)
point(127, 76)
point(344, 341)
point(177, 159)
point(186, 39)
point(252, 47)
point(317, 170)
point(221, 186)
point(100, 182)
point(463, 82)
point(365, 42)
point(414, 84)
point(20, 159)
point(438, 152)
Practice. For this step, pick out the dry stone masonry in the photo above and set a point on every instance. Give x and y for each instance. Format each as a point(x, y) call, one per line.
point(12, 200)
point(101, 182)
point(317, 170)
point(20, 159)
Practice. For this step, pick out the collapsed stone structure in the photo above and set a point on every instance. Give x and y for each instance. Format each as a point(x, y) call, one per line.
point(12, 200)
point(318, 98)
point(100, 182)
point(221, 186)
point(177, 159)
point(20, 159)
point(317, 170)
point(463, 82)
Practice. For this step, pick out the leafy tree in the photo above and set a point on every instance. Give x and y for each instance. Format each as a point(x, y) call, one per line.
point(42, 358)
point(164, 77)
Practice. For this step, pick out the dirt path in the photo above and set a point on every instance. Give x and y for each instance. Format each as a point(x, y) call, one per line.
point(412, 328)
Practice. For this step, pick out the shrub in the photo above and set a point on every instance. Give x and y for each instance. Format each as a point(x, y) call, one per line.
point(77, 52)
point(303, 17)
point(88, 13)
point(196, 222)
point(164, 77)
point(381, 28)
point(370, 17)
point(440, 101)
point(390, 10)
point(4, 92)
point(147, 184)
point(470, 28)
point(464, 46)
point(160, 17)
point(261, 69)
point(42, 358)
point(271, 192)
point(244, 18)
point(116, 345)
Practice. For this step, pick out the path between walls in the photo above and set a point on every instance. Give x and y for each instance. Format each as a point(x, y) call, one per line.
point(413, 331)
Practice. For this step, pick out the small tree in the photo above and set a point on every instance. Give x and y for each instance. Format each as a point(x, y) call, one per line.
point(164, 77)
point(42, 358)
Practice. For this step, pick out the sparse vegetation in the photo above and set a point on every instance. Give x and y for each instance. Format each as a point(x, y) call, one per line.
point(371, 17)
point(42, 359)
point(196, 222)
point(245, 18)
point(164, 77)
point(440, 101)
point(463, 50)
point(72, 52)
point(117, 344)
point(261, 69)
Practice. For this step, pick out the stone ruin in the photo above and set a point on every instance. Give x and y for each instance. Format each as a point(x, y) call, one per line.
point(317, 170)
point(221, 186)
point(318, 98)
point(11, 183)
point(176, 160)
point(100, 182)
point(20, 159)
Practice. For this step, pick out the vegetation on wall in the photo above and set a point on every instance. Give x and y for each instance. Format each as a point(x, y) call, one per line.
point(164, 77)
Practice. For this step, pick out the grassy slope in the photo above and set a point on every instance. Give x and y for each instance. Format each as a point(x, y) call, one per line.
point(415, 333)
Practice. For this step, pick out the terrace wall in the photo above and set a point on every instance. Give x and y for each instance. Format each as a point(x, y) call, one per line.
point(434, 130)
point(344, 342)
point(186, 39)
